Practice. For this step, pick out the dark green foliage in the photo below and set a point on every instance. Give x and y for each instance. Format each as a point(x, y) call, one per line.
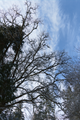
point(7, 86)
point(10, 37)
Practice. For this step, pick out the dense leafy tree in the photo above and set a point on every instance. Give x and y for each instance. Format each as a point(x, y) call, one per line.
point(7, 86)
point(21, 70)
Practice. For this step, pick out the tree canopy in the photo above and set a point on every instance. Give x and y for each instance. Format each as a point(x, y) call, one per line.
point(25, 75)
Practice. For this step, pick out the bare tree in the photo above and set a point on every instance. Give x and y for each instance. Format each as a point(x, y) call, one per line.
point(25, 74)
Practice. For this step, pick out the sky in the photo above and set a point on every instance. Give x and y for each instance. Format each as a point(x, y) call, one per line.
point(62, 21)
point(60, 18)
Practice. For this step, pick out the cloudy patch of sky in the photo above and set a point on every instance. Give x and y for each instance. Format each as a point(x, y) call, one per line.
point(69, 35)
point(50, 15)
point(62, 20)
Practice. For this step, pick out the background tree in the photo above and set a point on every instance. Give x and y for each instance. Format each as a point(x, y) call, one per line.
point(46, 108)
point(21, 70)
point(15, 114)
point(18, 114)
point(71, 95)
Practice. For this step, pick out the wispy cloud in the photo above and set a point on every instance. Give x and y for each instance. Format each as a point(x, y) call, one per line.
point(50, 14)
point(71, 25)
point(71, 33)
point(5, 4)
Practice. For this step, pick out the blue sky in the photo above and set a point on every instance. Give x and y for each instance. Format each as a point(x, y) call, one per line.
point(62, 21)
point(70, 10)
point(61, 18)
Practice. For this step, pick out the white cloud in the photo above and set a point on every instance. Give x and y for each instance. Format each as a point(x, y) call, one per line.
point(72, 32)
point(50, 14)
point(5, 4)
